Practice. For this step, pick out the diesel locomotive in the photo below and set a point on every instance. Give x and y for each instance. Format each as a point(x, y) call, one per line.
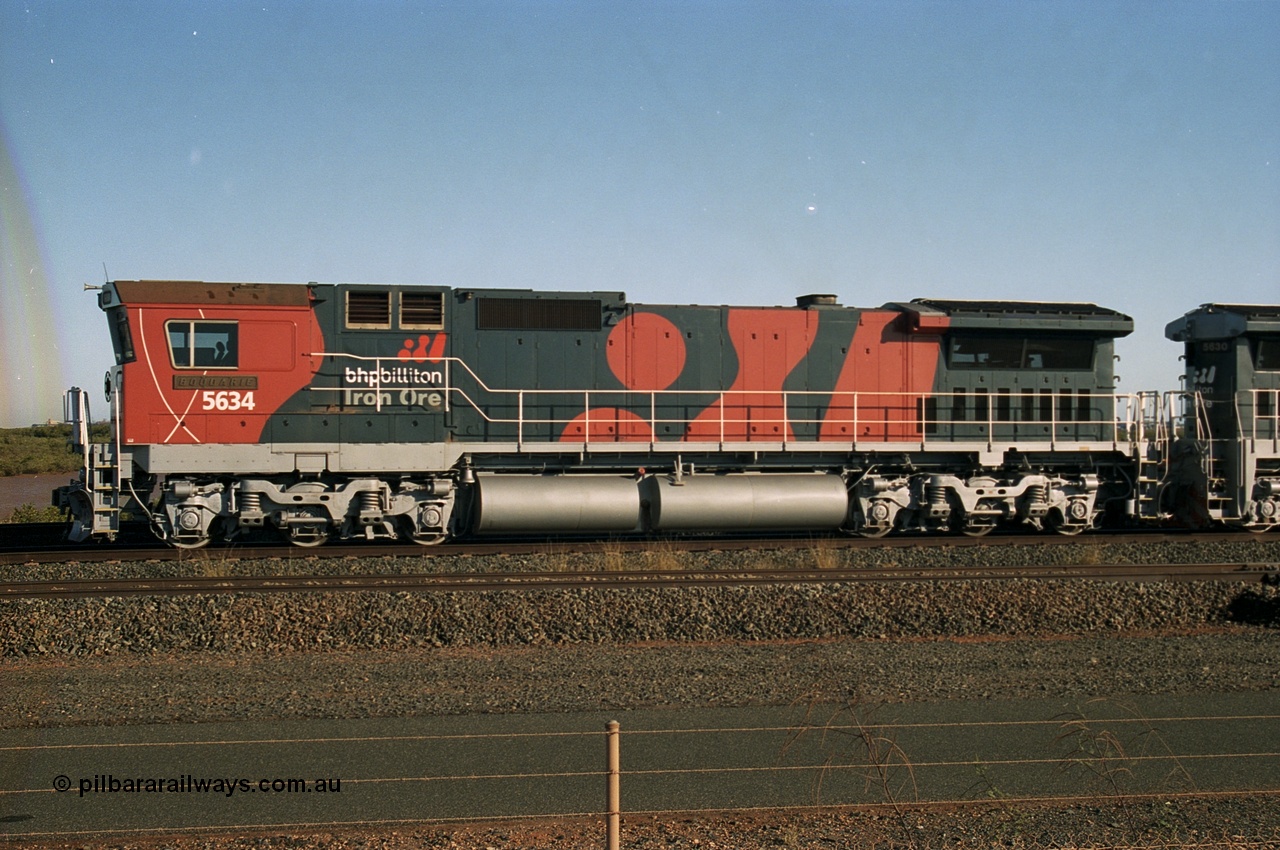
point(427, 412)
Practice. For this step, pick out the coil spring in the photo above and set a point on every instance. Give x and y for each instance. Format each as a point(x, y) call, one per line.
point(936, 495)
point(250, 502)
point(370, 502)
point(1037, 494)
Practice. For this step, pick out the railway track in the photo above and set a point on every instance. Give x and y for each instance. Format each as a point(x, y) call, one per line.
point(34, 550)
point(206, 585)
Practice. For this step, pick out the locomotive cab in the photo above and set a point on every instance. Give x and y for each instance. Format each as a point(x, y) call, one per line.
point(1229, 434)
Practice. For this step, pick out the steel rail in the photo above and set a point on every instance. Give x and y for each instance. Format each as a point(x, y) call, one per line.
point(79, 553)
point(475, 582)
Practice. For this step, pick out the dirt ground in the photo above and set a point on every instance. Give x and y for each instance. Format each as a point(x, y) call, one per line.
point(29, 489)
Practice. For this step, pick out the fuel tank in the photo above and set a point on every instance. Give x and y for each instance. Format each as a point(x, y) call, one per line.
point(551, 503)
point(745, 502)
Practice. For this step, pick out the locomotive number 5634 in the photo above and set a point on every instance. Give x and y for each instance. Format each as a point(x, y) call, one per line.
point(227, 400)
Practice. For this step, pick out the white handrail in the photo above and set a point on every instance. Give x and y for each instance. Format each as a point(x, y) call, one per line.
point(897, 411)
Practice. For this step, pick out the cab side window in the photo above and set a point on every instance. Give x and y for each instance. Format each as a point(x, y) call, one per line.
point(203, 345)
point(1266, 356)
point(1052, 353)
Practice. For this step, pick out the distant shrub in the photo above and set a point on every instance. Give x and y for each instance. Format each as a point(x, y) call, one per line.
point(30, 513)
point(42, 449)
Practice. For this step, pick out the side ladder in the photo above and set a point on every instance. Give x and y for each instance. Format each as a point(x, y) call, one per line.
point(1150, 429)
point(94, 501)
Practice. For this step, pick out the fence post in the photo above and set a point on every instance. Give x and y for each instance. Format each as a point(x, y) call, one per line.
point(614, 796)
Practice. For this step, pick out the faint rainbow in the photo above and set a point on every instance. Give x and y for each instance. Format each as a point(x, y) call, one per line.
point(31, 370)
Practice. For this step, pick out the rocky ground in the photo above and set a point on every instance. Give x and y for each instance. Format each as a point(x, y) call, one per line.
point(207, 687)
point(1232, 823)
point(229, 657)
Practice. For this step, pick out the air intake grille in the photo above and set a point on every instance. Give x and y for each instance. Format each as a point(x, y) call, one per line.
point(368, 309)
point(422, 310)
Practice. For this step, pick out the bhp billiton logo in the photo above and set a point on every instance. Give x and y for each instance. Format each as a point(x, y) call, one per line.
point(426, 348)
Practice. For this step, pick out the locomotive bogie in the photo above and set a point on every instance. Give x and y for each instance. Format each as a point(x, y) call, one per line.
point(934, 502)
point(306, 512)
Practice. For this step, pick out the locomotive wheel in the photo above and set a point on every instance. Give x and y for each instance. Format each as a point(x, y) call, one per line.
point(860, 526)
point(861, 529)
point(1057, 519)
point(432, 540)
point(306, 541)
point(1055, 523)
point(190, 542)
point(407, 532)
point(959, 523)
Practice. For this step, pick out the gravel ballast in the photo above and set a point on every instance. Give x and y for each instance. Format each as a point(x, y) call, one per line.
point(295, 622)
point(236, 657)
point(383, 620)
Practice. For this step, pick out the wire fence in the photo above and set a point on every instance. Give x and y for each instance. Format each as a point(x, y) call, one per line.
point(842, 759)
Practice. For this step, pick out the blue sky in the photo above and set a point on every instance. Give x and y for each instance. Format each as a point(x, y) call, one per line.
point(700, 152)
